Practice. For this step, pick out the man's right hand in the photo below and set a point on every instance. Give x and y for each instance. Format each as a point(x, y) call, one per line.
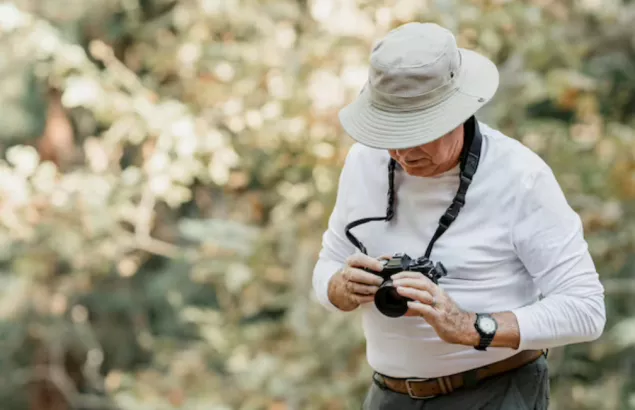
point(351, 286)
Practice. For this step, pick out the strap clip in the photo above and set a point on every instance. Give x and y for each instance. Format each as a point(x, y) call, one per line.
point(446, 220)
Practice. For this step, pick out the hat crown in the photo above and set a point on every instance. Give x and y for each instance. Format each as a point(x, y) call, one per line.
point(414, 65)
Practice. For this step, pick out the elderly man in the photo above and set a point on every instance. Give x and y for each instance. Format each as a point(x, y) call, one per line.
point(515, 275)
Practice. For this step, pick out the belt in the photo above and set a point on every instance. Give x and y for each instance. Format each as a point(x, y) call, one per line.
point(428, 388)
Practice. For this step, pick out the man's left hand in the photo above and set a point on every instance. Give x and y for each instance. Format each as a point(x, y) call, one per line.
point(452, 324)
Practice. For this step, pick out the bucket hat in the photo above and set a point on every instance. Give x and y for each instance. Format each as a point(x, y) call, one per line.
point(420, 86)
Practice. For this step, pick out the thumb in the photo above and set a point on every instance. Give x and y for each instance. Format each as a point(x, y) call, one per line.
point(360, 260)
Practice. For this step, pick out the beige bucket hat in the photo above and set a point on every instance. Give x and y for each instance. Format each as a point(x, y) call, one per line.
point(421, 86)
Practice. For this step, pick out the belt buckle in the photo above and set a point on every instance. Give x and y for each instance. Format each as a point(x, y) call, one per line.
point(411, 393)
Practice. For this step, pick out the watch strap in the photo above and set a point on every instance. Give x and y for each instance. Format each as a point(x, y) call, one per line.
point(485, 339)
point(484, 342)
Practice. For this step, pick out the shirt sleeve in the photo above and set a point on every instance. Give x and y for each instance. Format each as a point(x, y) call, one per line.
point(335, 246)
point(549, 240)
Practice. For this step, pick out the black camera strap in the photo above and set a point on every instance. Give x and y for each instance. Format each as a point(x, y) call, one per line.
point(390, 212)
point(469, 161)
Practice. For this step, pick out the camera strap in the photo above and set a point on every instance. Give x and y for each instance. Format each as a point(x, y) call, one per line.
point(469, 160)
point(390, 212)
point(469, 163)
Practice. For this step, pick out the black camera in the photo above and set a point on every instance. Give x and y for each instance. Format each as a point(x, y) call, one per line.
point(387, 300)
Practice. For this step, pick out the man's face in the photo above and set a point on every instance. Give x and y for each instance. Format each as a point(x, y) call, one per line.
point(433, 158)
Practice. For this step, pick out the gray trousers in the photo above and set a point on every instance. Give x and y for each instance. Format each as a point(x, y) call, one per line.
point(526, 388)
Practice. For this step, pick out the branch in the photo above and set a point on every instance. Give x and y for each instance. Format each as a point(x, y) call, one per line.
point(151, 245)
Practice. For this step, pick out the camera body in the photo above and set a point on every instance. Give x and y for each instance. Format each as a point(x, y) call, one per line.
point(387, 300)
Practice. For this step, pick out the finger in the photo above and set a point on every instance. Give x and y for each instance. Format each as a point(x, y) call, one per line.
point(421, 283)
point(363, 277)
point(426, 311)
point(359, 260)
point(422, 296)
point(412, 313)
point(362, 290)
point(409, 274)
point(385, 257)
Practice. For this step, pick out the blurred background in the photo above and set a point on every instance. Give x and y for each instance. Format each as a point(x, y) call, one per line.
point(168, 168)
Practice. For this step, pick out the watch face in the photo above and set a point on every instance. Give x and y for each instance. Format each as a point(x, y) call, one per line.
point(487, 325)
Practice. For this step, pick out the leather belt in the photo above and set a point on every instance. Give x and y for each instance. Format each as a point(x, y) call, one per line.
point(428, 388)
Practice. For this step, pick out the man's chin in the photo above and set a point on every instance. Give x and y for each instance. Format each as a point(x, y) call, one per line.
point(427, 170)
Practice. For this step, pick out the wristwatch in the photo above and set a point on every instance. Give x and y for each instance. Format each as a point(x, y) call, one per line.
point(486, 327)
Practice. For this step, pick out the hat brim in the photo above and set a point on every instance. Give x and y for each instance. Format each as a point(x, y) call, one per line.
point(376, 128)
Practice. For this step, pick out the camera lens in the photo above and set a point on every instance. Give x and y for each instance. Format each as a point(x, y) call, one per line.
point(389, 302)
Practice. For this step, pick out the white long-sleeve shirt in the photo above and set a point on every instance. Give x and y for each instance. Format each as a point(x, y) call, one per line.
point(515, 239)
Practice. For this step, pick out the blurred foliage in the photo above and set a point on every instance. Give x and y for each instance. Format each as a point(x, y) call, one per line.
point(169, 167)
